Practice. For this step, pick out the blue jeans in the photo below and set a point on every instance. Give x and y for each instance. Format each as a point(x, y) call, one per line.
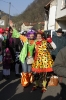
point(26, 67)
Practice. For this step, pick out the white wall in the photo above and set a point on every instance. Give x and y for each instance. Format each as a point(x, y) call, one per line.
point(45, 26)
point(60, 13)
point(62, 24)
point(52, 14)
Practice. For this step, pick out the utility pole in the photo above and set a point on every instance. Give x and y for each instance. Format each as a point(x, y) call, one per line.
point(9, 9)
point(0, 14)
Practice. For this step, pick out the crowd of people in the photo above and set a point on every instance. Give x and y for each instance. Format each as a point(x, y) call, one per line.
point(30, 51)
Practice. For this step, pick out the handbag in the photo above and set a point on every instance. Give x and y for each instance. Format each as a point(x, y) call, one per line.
point(30, 60)
point(53, 81)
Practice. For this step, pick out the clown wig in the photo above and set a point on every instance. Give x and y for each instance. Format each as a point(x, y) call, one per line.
point(31, 32)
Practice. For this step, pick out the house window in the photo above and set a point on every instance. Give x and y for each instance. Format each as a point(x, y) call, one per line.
point(63, 4)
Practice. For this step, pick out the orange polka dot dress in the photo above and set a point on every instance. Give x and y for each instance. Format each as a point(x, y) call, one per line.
point(43, 61)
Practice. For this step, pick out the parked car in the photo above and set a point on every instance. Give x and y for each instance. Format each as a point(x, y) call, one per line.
point(48, 33)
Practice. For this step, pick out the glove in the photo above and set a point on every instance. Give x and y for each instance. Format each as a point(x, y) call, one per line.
point(49, 40)
point(53, 45)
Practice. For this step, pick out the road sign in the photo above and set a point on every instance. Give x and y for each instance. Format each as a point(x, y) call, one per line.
point(2, 22)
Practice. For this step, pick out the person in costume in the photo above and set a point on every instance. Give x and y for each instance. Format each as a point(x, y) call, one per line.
point(42, 62)
point(6, 33)
point(30, 50)
point(60, 42)
point(1, 46)
point(10, 44)
point(5, 38)
point(27, 51)
point(7, 59)
point(17, 64)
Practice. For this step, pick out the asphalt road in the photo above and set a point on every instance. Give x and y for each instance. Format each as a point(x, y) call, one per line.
point(12, 90)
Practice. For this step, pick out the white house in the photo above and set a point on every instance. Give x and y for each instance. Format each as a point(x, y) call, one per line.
point(51, 9)
point(57, 14)
point(61, 14)
point(25, 27)
point(52, 15)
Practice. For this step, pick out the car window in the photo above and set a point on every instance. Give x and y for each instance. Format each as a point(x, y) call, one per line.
point(54, 33)
point(47, 33)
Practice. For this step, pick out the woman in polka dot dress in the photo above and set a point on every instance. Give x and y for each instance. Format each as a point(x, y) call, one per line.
point(42, 62)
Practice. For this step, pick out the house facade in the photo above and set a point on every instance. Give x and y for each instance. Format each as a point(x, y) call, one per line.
point(51, 14)
point(61, 14)
point(4, 21)
point(57, 15)
point(25, 27)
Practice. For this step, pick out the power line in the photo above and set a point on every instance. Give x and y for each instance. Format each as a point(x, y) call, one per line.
point(14, 8)
point(4, 1)
point(9, 5)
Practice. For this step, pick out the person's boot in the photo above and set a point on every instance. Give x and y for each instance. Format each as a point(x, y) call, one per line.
point(31, 78)
point(44, 86)
point(25, 79)
point(43, 89)
point(36, 85)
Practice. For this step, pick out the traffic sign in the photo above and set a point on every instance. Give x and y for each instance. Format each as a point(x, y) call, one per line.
point(2, 22)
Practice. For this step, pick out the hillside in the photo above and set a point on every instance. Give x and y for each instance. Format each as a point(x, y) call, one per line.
point(5, 14)
point(5, 17)
point(33, 13)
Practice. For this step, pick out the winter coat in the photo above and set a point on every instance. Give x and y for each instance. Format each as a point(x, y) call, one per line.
point(59, 66)
point(60, 43)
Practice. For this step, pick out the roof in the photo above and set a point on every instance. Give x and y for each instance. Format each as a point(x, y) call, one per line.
point(28, 24)
point(48, 3)
point(32, 24)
